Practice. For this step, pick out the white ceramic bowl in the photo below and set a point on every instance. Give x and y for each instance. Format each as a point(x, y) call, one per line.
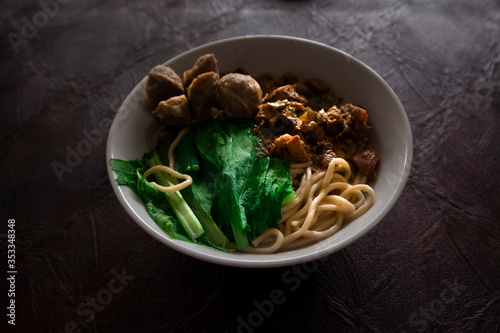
point(133, 127)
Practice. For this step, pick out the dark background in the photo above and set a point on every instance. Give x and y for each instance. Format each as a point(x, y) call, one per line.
point(432, 265)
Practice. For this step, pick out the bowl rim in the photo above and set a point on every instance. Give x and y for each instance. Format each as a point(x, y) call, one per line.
point(265, 260)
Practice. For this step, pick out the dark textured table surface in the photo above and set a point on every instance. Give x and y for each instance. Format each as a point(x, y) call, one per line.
point(83, 265)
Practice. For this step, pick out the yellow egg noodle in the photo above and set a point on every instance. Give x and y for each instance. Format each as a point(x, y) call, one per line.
point(324, 201)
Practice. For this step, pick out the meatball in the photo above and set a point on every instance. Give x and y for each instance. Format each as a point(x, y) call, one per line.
point(201, 95)
point(162, 84)
point(175, 111)
point(239, 96)
point(205, 63)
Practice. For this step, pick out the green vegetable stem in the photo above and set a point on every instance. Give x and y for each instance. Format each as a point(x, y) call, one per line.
point(186, 217)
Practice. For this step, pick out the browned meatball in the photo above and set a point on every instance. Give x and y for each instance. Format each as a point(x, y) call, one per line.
point(205, 63)
point(162, 84)
point(175, 111)
point(201, 95)
point(239, 96)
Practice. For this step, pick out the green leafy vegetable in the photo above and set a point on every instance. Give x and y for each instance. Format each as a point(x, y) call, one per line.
point(243, 190)
point(181, 209)
point(235, 194)
point(129, 173)
point(171, 211)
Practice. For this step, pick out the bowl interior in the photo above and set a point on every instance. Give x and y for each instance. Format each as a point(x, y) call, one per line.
point(132, 129)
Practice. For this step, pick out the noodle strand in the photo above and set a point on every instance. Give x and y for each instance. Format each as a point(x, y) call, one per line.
point(170, 169)
point(324, 201)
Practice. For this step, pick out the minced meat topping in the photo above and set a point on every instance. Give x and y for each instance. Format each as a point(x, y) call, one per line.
point(305, 122)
